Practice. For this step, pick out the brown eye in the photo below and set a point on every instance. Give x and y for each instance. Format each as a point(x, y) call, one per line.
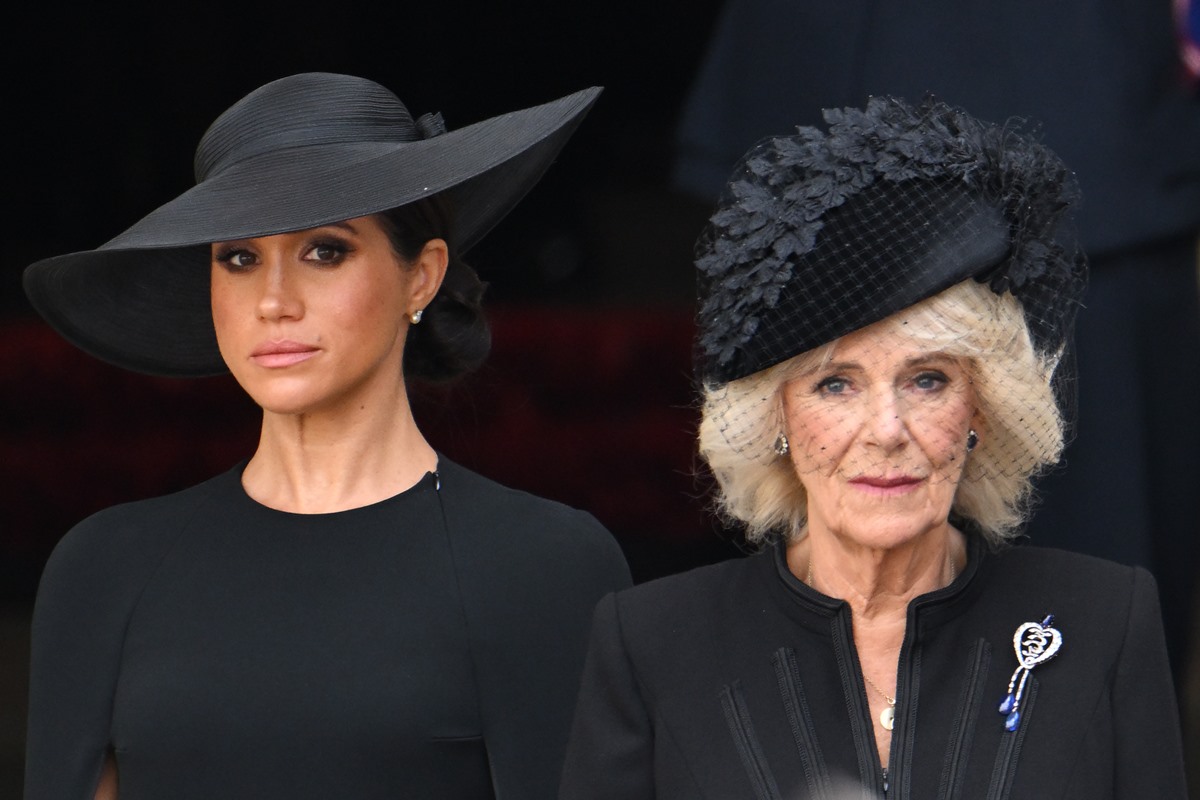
point(236, 260)
point(327, 252)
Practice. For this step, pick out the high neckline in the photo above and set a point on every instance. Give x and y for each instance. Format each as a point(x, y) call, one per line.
point(428, 482)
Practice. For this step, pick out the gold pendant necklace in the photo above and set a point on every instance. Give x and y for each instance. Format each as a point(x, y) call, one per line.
point(887, 717)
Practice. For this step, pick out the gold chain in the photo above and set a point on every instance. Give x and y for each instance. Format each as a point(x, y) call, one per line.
point(891, 701)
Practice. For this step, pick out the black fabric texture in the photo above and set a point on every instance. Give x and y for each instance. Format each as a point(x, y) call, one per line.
point(818, 234)
point(650, 722)
point(425, 646)
point(1100, 78)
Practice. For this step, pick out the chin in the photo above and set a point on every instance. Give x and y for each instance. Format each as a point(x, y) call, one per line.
point(285, 399)
point(889, 530)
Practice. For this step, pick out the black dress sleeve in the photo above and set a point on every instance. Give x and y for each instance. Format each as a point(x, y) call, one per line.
point(1149, 756)
point(531, 650)
point(611, 751)
point(531, 572)
point(86, 595)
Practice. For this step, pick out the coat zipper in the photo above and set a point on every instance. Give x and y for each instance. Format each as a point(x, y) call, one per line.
point(874, 777)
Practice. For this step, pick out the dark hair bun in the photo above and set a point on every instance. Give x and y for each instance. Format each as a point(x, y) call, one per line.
point(453, 337)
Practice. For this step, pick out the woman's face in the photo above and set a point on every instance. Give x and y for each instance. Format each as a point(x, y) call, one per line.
point(316, 319)
point(878, 436)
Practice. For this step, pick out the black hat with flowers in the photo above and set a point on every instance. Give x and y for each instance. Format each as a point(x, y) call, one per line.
point(820, 234)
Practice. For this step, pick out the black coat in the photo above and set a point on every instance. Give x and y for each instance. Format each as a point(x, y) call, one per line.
point(739, 681)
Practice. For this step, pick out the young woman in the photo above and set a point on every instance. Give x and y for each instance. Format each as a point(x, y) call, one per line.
point(348, 613)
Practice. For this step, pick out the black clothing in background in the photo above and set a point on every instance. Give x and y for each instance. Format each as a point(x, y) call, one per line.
point(739, 681)
point(425, 646)
point(1101, 80)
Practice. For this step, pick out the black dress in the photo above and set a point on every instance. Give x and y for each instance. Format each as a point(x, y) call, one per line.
point(739, 681)
point(425, 646)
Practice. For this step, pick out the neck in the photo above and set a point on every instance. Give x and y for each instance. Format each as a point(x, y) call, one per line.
point(878, 583)
point(322, 462)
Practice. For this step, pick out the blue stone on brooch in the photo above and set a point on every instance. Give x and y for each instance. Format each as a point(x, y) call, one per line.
point(1034, 643)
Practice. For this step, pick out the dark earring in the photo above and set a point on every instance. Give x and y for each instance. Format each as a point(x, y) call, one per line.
point(972, 439)
point(781, 445)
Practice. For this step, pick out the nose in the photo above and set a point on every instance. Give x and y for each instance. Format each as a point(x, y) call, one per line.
point(886, 424)
point(279, 295)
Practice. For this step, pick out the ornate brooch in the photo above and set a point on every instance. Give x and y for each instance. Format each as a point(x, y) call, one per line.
point(1035, 643)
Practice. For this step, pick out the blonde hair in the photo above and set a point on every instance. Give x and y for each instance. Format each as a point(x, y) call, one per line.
point(1020, 429)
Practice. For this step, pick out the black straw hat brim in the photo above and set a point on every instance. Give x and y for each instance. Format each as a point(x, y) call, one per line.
point(141, 301)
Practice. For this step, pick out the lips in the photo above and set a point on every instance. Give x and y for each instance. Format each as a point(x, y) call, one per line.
point(283, 353)
point(887, 485)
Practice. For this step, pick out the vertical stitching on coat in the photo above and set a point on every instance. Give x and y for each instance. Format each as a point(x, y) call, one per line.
point(962, 732)
point(869, 769)
point(791, 689)
point(902, 745)
point(1010, 747)
point(737, 716)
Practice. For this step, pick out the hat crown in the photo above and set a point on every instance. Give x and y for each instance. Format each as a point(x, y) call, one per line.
point(820, 234)
point(314, 108)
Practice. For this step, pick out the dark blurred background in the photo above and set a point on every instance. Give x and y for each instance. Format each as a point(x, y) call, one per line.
point(587, 397)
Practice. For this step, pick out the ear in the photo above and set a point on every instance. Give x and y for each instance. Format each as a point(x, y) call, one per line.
point(427, 272)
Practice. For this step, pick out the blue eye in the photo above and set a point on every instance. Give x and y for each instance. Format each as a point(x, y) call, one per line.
point(930, 381)
point(833, 385)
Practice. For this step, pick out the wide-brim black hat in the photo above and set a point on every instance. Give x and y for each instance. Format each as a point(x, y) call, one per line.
point(297, 153)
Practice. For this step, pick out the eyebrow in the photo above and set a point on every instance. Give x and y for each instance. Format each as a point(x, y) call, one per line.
point(936, 357)
point(344, 225)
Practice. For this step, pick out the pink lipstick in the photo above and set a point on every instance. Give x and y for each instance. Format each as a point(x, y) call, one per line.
point(886, 486)
point(282, 353)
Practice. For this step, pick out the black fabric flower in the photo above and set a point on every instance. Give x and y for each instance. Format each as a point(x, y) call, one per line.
point(763, 245)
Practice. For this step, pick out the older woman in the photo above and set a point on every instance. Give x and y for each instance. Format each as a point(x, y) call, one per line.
point(348, 613)
point(884, 312)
